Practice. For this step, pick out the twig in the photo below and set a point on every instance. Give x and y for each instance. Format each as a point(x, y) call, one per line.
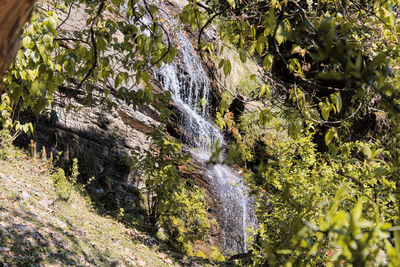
point(208, 23)
point(322, 121)
point(94, 65)
point(69, 13)
point(166, 33)
point(94, 46)
point(72, 39)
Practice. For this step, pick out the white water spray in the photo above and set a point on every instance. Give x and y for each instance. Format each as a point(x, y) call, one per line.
point(189, 84)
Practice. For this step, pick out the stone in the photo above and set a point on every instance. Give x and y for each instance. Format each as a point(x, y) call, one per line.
point(168, 261)
point(20, 227)
point(4, 249)
point(25, 195)
point(152, 242)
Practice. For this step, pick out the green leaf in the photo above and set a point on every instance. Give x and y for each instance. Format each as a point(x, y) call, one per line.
point(330, 134)
point(325, 109)
point(232, 3)
point(260, 48)
point(337, 100)
point(380, 171)
point(331, 75)
point(282, 31)
point(264, 117)
point(47, 39)
point(267, 63)
point(367, 151)
point(36, 87)
point(227, 67)
point(294, 65)
point(264, 90)
point(243, 56)
point(376, 152)
point(27, 42)
point(357, 211)
point(223, 106)
point(314, 249)
point(69, 107)
point(221, 63)
point(293, 130)
point(284, 251)
point(171, 54)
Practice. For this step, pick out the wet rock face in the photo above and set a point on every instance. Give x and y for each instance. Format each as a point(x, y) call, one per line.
point(102, 139)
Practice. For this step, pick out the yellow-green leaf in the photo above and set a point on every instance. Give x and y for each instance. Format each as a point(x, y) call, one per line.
point(232, 3)
point(227, 67)
point(330, 134)
point(357, 211)
point(264, 90)
point(325, 109)
point(367, 151)
point(267, 63)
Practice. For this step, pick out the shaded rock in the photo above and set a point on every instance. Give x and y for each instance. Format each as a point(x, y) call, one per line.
point(4, 249)
point(20, 227)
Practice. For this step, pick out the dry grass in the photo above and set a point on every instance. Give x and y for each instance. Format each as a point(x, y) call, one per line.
point(38, 227)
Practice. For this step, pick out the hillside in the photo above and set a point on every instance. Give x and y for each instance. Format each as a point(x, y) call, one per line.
point(188, 132)
point(52, 223)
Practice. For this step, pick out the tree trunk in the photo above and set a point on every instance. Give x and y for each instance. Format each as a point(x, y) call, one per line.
point(13, 15)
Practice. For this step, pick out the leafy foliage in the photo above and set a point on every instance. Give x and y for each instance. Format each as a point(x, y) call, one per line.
point(174, 203)
point(354, 240)
point(330, 65)
point(7, 124)
point(36, 75)
point(324, 193)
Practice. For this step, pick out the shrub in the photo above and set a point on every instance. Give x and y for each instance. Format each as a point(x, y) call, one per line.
point(216, 255)
point(294, 192)
point(352, 239)
point(73, 178)
point(61, 183)
point(171, 201)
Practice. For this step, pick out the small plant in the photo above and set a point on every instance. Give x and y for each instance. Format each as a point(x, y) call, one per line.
point(216, 255)
point(5, 144)
point(61, 183)
point(121, 213)
point(89, 181)
point(73, 178)
point(9, 127)
point(200, 254)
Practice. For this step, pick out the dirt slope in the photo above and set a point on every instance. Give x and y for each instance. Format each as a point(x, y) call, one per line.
point(48, 225)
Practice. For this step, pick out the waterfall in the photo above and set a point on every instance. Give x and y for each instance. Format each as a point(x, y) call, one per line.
point(190, 87)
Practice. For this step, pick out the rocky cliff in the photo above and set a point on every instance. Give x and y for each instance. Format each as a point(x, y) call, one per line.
point(101, 138)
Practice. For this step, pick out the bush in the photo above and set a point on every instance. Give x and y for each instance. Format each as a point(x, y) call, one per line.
point(352, 239)
point(171, 201)
point(294, 190)
point(61, 183)
point(65, 185)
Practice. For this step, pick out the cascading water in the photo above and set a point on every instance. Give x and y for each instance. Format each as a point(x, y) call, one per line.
point(186, 79)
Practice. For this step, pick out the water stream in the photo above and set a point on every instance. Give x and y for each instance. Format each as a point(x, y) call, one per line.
point(189, 84)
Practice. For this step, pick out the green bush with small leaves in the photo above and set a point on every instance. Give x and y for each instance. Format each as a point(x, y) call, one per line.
point(172, 201)
point(61, 183)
